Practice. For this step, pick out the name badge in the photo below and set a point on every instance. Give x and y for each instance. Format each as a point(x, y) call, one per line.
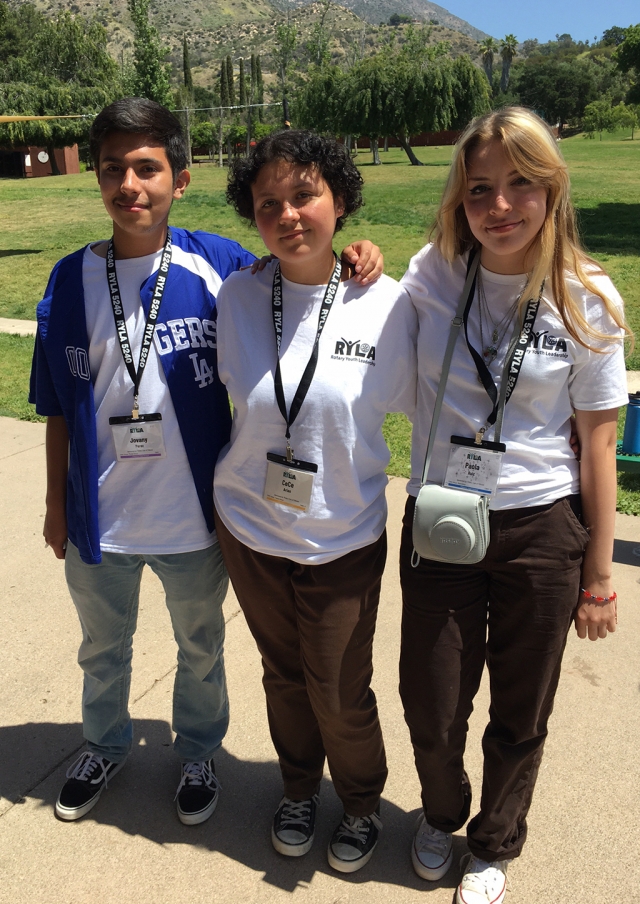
point(474, 466)
point(138, 438)
point(289, 482)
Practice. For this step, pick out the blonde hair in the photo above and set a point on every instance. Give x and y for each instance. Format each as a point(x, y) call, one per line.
point(531, 147)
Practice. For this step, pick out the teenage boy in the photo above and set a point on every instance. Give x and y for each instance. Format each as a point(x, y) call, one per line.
point(125, 370)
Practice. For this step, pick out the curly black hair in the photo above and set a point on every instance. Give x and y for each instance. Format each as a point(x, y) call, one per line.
point(301, 147)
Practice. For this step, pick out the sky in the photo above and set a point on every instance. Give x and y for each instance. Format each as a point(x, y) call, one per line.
point(543, 19)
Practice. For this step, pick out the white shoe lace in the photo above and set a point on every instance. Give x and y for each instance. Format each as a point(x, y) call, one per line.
point(357, 827)
point(198, 773)
point(433, 841)
point(296, 812)
point(85, 766)
point(483, 878)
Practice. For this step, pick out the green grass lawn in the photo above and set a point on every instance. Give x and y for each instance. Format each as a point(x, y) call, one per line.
point(41, 220)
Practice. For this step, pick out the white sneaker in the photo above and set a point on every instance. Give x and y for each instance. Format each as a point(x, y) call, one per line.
point(482, 882)
point(431, 851)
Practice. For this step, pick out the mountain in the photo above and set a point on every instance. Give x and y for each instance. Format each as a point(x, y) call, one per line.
point(377, 12)
point(216, 28)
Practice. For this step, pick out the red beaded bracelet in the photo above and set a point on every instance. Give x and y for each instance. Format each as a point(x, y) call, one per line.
point(599, 599)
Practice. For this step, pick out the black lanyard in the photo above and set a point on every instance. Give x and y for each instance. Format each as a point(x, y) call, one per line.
point(514, 358)
point(310, 369)
point(152, 317)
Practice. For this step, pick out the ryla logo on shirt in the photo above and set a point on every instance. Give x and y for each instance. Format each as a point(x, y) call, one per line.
point(543, 344)
point(356, 350)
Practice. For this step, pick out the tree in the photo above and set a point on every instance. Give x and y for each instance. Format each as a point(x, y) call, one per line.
point(203, 136)
point(559, 91)
point(259, 95)
point(470, 92)
point(186, 94)
point(317, 46)
point(627, 117)
point(186, 66)
point(627, 56)
point(151, 77)
point(319, 105)
point(242, 86)
point(508, 50)
point(231, 90)
point(56, 66)
point(286, 39)
point(598, 117)
point(224, 85)
point(489, 47)
point(613, 36)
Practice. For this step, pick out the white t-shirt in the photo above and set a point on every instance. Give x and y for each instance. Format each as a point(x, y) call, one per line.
point(366, 367)
point(558, 375)
point(145, 507)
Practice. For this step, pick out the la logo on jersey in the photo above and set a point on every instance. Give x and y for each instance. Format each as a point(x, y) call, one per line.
point(358, 351)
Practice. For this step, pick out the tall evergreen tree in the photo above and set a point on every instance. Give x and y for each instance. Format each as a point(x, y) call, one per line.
point(150, 78)
point(224, 85)
point(187, 94)
point(242, 87)
point(230, 84)
point(259, 94)
point(186, 66)
point(252, 89)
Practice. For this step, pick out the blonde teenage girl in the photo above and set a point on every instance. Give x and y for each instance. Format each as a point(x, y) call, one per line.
point(551, 519)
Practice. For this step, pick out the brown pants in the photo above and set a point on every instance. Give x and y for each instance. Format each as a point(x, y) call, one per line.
point(314, 627)
point(512, 610)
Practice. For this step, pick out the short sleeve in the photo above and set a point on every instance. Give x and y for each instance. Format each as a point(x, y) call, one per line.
point(599, 380)
point(42, 392)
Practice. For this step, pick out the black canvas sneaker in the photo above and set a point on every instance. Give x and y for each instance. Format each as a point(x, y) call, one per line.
point(354, 841)
point(197, 793)
point(86, 780)
point(294, 825)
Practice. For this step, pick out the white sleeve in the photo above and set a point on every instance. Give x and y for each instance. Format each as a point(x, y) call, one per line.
point(405, 326)
point(599, 380)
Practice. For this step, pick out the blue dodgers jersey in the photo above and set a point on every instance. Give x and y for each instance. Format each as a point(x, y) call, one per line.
point(185, 339)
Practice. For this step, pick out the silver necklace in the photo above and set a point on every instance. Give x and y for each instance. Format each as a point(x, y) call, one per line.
point(497, 330)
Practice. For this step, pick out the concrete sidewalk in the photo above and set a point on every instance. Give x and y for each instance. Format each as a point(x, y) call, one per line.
point(584, 825)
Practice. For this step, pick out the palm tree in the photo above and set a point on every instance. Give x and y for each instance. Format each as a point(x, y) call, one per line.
point(508, 49)
point(489, 47)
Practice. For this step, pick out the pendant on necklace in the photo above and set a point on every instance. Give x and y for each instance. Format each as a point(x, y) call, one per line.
point(490, 353)
point(494, 337)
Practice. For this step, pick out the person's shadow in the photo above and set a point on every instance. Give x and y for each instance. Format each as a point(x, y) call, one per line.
point(140, 801)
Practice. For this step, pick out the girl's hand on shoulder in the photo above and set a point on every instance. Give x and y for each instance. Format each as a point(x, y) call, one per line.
point(260, 263)
point(597, 613)
point(367, 260)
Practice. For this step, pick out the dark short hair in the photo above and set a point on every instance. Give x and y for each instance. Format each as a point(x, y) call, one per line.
point(137, 115)
point(300, 147)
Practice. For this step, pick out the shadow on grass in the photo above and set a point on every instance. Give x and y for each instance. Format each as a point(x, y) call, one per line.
point(401, 163)
point(610, 228)
point(11, 252)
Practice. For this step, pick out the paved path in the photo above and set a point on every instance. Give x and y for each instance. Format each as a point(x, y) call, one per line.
point(28, 328)
point(585, 821)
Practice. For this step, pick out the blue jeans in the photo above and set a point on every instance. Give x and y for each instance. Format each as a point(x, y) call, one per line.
point(106, 598)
